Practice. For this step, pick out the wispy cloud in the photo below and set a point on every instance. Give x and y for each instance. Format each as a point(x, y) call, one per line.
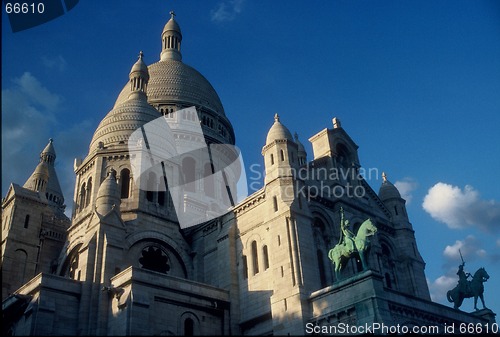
point(56, 62)
point(226, 10)
point(405, 187)
point(459, 208)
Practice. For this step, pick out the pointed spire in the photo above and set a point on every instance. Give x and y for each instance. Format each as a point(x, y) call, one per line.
point(44, 178)
point(139, 77)
point(171, 38)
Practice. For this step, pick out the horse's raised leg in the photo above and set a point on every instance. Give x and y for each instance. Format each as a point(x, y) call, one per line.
point(475, 303)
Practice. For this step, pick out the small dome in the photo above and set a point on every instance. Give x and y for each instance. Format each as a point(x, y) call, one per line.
point(119, 124)
point(278, 131)
point(140, 67)
point(388, 190)
point(108, 196)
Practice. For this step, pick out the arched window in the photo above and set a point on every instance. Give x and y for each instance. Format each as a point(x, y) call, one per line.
point(21, 262)
point(275, 203)
point(272, 159)
point(282, 155)
point(188, 327)
point(82, 197)
point(125, 183)
point(89, 192)
point(26, 221)
point(265, 254)
point(255, 260)
point(188, 170)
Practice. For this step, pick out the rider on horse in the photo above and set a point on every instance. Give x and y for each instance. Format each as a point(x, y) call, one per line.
point(463, 283)
point(347, 236)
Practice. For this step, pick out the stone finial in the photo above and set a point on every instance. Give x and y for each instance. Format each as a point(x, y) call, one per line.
point(276, 117)
point(296, 136)
point(141, 55)
point(172, 14)
point(384, 177)
point(336, 123)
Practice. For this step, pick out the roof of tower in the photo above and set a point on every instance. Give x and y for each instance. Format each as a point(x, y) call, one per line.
point(46, 167)
point(278, 131)
point(140, 66)
point(49, 149)
point(388, 190)
point(172, 24)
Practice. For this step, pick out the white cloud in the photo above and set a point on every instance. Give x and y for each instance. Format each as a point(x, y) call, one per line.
point(461, 209)
point(470, 248)
point(440, 286)
point(405, 187)
point(58, 62)
point(226, 10)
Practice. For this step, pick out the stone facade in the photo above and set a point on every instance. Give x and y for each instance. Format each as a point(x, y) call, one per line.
point(124, 265)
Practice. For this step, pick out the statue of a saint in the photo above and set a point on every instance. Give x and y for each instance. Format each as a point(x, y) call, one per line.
point(346, 236)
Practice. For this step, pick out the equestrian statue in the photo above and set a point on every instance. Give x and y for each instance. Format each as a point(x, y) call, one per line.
point(349, 243)
point(466, 289)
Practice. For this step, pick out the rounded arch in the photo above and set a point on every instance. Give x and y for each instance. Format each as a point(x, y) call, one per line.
point(70, 265)
point(345, 154)
point(189, 324)
point(142, 238)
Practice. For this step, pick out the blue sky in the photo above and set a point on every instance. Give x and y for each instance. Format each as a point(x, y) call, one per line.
point(416, 84)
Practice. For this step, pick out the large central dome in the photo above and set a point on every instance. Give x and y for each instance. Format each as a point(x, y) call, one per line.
point(175, 82)
point(174, 85)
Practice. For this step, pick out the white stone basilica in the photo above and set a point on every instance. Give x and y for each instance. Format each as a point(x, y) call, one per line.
point(123, 265)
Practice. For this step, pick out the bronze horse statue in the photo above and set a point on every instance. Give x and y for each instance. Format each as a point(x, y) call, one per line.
point(342, 252)
point(473, 288)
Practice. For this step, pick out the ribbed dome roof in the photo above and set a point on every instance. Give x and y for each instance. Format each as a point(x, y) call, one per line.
point(278, 131)
point(388, 190)
point(122, 121)
point(175, 82)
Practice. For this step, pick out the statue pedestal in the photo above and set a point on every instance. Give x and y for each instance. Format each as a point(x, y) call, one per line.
point(486, 314)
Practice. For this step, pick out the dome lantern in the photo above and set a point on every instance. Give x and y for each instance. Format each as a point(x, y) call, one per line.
point(139, 77)
point(171, 38)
